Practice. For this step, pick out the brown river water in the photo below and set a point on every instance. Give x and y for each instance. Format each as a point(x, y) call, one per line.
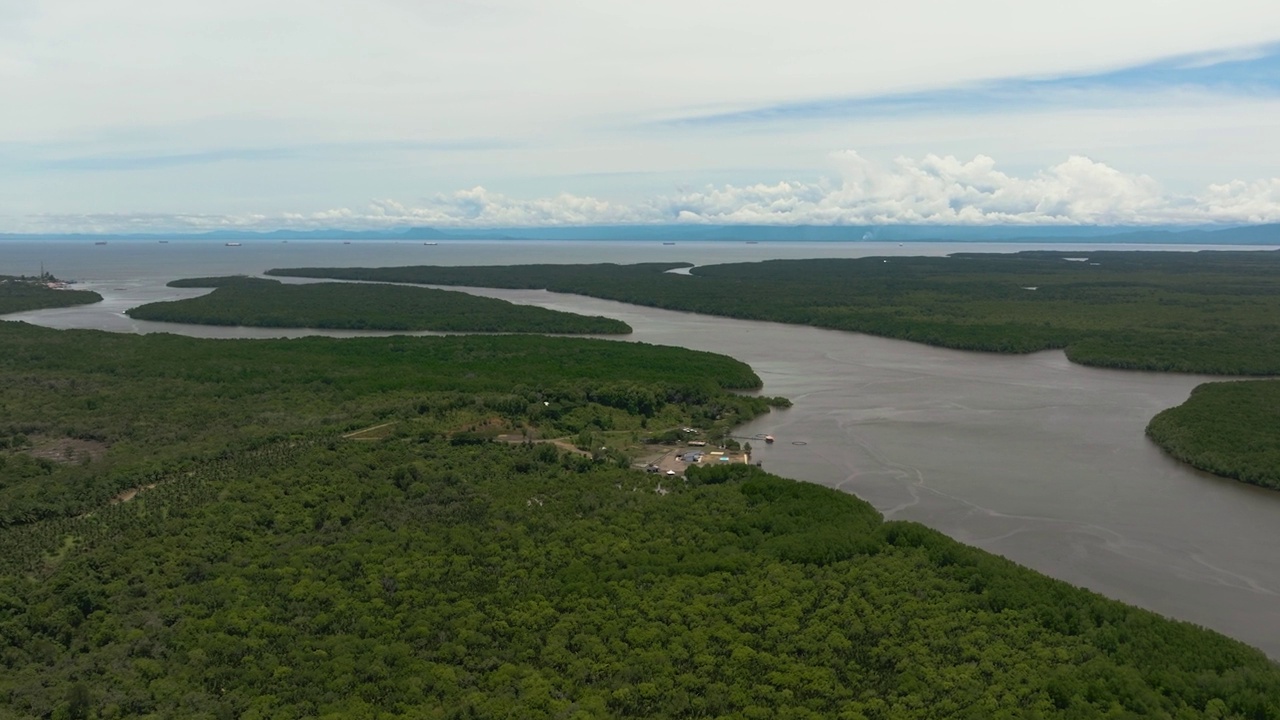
point(1030, 457)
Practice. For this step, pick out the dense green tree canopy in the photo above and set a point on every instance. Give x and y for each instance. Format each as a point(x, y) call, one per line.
point(1212, 312)
point(358, 306)
point(420, 578)
point(105, 411)
point(220, 281)
point(22, 294)
point(324, 529)
point(1227, 428)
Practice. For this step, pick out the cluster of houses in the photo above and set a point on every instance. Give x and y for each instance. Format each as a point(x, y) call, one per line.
point(49, 283)
point(698, 456)
point(695, 453)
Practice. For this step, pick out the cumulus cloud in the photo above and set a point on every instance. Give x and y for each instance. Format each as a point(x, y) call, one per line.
point(479, 207)
point(939, 190)
point(933, 190)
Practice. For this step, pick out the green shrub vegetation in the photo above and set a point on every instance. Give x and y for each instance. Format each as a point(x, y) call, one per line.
point(358, 306)
point(1211, 312)
point(428, 579)
point(220, 281)
point(157, 401)
point(283, 566)
point(19, 294)
point(1226, 428)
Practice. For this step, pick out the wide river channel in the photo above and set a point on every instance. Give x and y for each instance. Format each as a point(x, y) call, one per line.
point(1030, 457)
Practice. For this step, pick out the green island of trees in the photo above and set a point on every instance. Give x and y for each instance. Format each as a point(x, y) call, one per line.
point(330, 528)
point(1211, 312)
point(19, 294)
point(362, 306)
point(1230, 429)
point(220, 281)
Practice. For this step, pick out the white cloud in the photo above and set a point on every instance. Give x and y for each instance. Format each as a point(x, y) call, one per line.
point(938, 190)
point(479, 207)
point(239, 106)
point(393, 69)
point(949, 191)
point(1254, 202)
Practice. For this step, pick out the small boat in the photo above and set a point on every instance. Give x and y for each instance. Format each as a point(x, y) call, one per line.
point(346, 242)
point(101, 242)
point(430, 243)
point(667, 243)
point(233, 244)
point(768, 438)
point(164, 242)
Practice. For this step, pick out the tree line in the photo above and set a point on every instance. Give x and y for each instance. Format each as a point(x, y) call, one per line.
point(255, 302)
point(19, 294)
point(1226, 428)
point(1210, 312)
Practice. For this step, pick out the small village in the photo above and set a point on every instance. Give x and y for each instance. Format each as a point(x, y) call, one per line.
point(44, 279)
point(673, 461)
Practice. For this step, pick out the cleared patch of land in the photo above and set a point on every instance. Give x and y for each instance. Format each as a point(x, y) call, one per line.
point(67, 450)
point(132, 493)
point(377, 432)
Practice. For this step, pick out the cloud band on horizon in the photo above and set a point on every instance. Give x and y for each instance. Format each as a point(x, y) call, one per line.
point(933, 190)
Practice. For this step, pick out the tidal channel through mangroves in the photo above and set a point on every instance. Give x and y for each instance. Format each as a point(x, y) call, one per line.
point(1031, 457)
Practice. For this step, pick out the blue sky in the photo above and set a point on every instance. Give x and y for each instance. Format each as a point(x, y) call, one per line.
point(140, 114)
point(1249, 73)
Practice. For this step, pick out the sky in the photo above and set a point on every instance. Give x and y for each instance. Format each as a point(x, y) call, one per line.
point(142, 115)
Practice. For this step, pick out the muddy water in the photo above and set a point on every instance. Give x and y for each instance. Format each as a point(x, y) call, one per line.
point(1030, 457)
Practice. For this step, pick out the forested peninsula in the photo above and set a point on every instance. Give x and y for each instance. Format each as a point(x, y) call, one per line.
point(337, 528)
point(19, 294)
point(1214, 312)
point(89, 414)
point(259, 302)
point(1230, 429)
